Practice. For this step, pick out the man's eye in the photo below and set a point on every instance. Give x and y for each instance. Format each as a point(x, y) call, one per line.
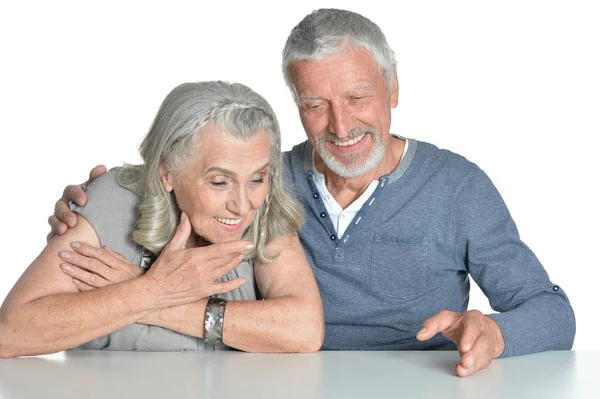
point(312, 105)
point(218, 183)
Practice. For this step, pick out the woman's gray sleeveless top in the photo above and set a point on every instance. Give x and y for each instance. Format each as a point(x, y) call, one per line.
point(113, 212)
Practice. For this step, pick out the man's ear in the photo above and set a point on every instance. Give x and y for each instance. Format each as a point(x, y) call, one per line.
point(394, 92)
point(165, 176)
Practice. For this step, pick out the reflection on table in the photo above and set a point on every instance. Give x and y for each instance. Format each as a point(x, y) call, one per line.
point(97, 374)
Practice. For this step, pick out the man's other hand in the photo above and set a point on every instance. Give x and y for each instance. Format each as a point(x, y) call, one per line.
point(63, 218)
point(478, 338)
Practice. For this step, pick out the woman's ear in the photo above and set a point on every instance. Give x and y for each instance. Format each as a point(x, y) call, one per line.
point(165, 177)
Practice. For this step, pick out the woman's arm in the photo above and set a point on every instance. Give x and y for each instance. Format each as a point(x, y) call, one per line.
point(290, 319)
point(46, 313)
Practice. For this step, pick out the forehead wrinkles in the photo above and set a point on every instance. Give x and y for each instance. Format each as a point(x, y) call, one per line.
point(237, 155)
point(343, 73)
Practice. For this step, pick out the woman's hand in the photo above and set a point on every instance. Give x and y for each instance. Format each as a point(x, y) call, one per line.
point(92, 267)
point(181, 275)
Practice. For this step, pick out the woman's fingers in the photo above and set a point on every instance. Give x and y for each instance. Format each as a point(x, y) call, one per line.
point(222, 269)
point(184, 229)
point(101, 254)
point(116, 254)
point(221, 288)
point(221, 251)
point(81, 286)
point(91, 279)
point(91, 265)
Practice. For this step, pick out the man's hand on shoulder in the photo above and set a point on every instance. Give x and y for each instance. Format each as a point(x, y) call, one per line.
point(63, 218)
point(478, 338)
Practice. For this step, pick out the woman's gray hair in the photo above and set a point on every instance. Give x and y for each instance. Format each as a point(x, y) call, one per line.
point(172, 139)
point(326, 32)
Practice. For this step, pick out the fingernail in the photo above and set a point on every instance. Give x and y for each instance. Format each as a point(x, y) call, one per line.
point(76, 281)
point(249, 245)
point(65, 267)
point(243, 281)
point(75, 244)
point(64, 254)
point(183, 216)
point(423, 331)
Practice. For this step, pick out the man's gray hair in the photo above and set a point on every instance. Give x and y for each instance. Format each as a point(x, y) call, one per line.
point(173, 139)
point(326, 32)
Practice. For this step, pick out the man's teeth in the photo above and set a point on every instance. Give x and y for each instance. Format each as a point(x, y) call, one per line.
point(349, 142)
point(229, 221)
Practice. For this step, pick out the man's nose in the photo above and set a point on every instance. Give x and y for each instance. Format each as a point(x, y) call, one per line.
point(339, 122)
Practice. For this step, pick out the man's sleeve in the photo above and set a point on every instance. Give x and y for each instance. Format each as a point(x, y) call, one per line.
point(534, 314)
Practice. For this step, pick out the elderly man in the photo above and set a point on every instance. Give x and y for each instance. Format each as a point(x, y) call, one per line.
point(394, 225)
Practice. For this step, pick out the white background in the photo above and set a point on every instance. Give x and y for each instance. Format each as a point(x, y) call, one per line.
point(512, 85)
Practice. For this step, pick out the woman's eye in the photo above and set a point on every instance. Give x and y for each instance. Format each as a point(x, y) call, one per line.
point(218, 183)
point(257, 181)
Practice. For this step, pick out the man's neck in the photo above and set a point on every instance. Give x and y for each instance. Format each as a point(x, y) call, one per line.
point(346, 191)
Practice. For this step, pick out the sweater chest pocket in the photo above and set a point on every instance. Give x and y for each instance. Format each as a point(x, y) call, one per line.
point(399, 266)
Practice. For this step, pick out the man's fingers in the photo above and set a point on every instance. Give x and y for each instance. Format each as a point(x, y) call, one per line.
point(56, 226)
point(64, 213)
point(438, 323)
point(479, 357)
point(181, 235)
point(74, 193)
point(99, 170)
point(473, 324)
point(221, 288)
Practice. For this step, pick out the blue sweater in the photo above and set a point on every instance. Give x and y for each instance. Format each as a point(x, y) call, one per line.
point(408, 253)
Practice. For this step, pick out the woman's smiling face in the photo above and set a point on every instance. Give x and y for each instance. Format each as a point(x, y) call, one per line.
point(222, 189)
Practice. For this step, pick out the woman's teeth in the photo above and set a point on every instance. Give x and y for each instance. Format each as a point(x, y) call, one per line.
point(229, 221)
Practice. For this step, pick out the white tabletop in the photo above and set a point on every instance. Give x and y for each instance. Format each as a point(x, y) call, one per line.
point(91, 374)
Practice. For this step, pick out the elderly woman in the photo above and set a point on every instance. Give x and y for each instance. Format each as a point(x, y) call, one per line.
point(208, 211)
